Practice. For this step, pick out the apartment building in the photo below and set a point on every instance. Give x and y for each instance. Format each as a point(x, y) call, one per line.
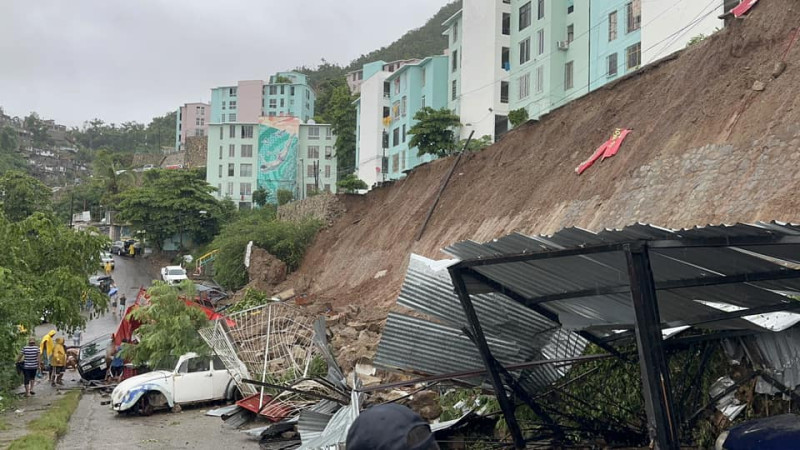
point(616, 40)
point(411, 88)
point(273, 153)
point(371, 108)
point(479, 37)
point(192, 119)
point(285, 94)
point(356, 77)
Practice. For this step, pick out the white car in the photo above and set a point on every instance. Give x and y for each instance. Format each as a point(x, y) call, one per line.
point(195, 379)
point(173, 274)
point(106, 257)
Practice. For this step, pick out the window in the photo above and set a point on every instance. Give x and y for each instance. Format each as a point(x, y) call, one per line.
point(387, 89)
point(229, 190)
point(525, 51)
point(232, 104)
point(397, 85)
point(231, 151)
point(505, 58)
point(232, 131)
point(198, 132)
point(327, 188)
point(245, 189)
point(524, 83)
point(327, 171)
point(395, 162)
point(404, 132)
point(291, 90)
point(223, 104)
point(395, 137)
point(395, 110)
point(282, 103)
point(220, 153)
point(232, 92)
point(386, 112)
point(568, 81)
point(328, 133)
point(611, 62)
point(247, 131)
point(282, 89)
point(403, 161)
point(221, 132)
point(222, 118)
point(504, 92)
point(540, 10)
point(273, 103)
point(313, 151)
point(540, 39)
point(311, 172)
point(313, 133)
point(506, 24)
point(403, 104)
point(219, 185)
point(422, 102)
point(231, 169)
point(454, 60)
point(247, 151)
point(220, 173)
point(328, 152)
point(570, 33)
point(424, 76)
point(273, 90)
point(232, 117)
point(539, 79)
point(308, 94)
point(455, 32)
point(454, 89)
point(612, 26)
point(524, 16)
point(197, 121)
point(311, 187)
point(633, 55)
point(634, 15)
point(245, 170)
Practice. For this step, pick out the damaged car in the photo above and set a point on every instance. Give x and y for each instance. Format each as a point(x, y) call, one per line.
point(195, 379)
point(92, 358)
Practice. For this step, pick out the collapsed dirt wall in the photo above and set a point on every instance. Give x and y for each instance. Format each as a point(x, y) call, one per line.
point(705, 149)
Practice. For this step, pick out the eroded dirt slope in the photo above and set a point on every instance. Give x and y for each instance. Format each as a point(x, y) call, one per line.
point(706, 148)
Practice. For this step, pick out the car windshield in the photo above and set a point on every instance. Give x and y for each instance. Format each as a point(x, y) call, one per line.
point(94, 347)
point(176, 272)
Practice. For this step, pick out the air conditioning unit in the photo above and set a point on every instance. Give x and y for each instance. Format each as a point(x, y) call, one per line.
point(562, 45)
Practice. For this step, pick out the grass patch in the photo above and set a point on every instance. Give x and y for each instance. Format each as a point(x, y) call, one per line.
point(47, 428)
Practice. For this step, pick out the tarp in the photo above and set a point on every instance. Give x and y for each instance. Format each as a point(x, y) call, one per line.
point(743, 8)
point(607, 150)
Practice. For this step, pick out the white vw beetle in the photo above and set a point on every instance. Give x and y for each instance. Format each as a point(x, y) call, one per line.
point(195, 379)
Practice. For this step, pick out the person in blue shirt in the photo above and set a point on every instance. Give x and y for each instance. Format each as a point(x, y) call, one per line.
point(31, 358)
point(117, 363)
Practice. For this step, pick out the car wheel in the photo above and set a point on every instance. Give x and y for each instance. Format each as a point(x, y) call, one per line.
point(145, 407)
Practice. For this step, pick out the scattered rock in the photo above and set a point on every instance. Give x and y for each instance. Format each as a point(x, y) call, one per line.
point(265, 271)
point(380, 274)
point(426, 404)
point(759, 86)
point(778, 69)
point(358, 326)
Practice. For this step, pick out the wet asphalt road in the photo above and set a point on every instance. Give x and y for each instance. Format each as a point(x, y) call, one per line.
point(96, 426)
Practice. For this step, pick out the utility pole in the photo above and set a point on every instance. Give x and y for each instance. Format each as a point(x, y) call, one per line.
point(71, 201)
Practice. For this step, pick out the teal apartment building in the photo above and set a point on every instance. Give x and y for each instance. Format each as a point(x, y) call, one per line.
point(285, 94)
point(616, 38)
point(411, 88)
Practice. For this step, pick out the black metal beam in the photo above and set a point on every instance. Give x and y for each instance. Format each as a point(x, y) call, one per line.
point(506, 404)
point(547, 254)
point(783, 274)
point(516, 296)
point(661, 423)
point(780, 386)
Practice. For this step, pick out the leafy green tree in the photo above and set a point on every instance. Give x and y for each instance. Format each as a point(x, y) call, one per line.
point(351, 183)
point(169, 326)
point(83, 197)
point(10, 158)
point(434, 132)
point(284, 196)
point(37, 128)
point(172, 202)
point(518, 117)
point(288, 241)
point(260, 197)
point(23, 195)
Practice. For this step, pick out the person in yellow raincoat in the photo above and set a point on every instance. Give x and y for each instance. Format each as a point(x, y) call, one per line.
point(46, 350)
point(58, 362)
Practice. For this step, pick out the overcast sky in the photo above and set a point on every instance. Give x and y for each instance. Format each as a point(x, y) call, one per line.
point(74, 60)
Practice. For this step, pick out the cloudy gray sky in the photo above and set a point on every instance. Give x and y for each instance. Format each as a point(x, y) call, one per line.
point(74, 60)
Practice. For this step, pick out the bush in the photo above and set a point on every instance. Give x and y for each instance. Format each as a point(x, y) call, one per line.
point(284, 196)
point(287, 241)
point(518, 117)
point(351, 183)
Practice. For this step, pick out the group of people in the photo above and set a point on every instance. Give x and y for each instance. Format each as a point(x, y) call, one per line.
point(50, 356)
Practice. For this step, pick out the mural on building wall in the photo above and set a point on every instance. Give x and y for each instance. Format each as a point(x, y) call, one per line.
point(277, 154)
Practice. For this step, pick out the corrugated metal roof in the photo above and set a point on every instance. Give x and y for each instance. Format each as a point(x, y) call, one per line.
point(780, 353)
point(515, 333)
point(564, 275)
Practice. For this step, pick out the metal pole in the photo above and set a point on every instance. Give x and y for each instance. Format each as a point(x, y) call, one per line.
point(266, 357)
point(71, 200)
point(506, 404)
point(656, 390)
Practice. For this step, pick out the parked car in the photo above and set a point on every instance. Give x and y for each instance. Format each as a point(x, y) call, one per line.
point(105, 257)
point(92, 358)
point(102, 282)
point(173, 274)
point(194, 379)
point(209, 294)
point(118, 248)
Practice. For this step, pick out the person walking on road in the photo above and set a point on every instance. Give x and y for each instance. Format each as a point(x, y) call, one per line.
point(59, 362)
point(46, 351)
point(132, 250)
point(31, 360)
point(107, 267)
point(121, 302)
